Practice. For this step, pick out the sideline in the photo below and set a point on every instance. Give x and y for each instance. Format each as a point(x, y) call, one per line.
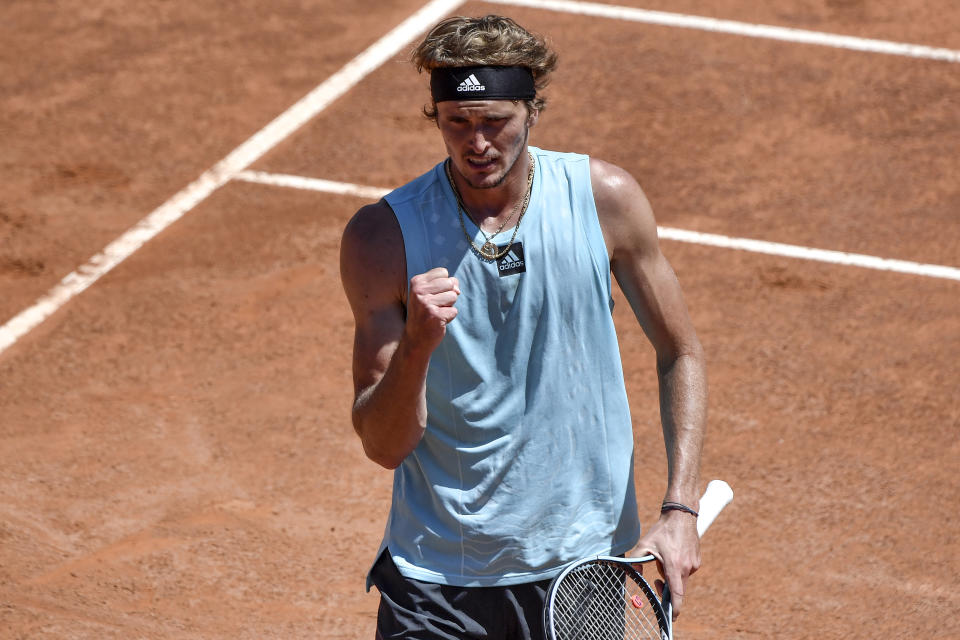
point(716, 25)
point(222, 172)
point(665, 233)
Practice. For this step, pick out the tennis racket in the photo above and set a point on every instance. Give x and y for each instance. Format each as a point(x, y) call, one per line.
point(606, 598)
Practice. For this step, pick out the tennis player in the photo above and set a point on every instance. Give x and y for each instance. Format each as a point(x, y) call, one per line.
point(486, 367)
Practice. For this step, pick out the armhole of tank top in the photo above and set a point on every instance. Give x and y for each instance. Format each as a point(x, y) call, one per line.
point(406, 257)
point(413, 231)
point(594, 232)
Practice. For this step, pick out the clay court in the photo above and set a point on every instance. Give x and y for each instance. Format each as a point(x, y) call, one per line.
point(176, 454)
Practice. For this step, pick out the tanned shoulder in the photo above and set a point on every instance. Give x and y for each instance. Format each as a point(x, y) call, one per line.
point(626, 217)
point(372, 260)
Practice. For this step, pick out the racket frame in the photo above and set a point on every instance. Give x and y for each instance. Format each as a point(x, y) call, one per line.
point(661, 608)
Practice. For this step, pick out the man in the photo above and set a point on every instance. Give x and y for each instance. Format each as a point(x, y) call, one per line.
point(486, 367)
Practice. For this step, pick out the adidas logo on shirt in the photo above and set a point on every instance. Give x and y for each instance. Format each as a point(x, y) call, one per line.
point(471, 84)
point(512, 261)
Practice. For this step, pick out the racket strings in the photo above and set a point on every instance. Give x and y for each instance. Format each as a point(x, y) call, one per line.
point(601, 601)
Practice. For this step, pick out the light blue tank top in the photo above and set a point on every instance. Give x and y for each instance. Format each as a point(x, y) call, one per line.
point(527, 459)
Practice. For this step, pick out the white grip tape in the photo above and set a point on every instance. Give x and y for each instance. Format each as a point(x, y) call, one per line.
point(715, 498)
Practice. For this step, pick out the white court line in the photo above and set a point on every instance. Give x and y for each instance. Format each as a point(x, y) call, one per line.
point(239, 159)
point(312, 184)
point(738, 28)
point(806, 253)
point(667, 233)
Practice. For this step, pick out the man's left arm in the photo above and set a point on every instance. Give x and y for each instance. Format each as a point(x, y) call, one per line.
point(653, 291)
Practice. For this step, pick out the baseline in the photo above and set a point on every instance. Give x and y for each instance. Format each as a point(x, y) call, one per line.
point(223, 171)
point(717, 25)
point(666, 233)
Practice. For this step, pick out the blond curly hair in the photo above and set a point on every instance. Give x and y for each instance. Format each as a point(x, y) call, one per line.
point(490, 40)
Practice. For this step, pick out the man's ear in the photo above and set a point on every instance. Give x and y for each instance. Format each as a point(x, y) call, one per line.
point(532, 117)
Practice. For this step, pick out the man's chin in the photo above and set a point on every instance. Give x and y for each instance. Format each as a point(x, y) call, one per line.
point(483, 179)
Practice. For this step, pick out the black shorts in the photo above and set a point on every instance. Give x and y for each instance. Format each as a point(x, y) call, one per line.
point(415, 610)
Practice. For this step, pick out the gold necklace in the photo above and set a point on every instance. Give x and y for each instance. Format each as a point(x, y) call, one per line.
point(489, 251)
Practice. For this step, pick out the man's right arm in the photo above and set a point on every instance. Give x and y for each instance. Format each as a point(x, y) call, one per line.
point(394, 336)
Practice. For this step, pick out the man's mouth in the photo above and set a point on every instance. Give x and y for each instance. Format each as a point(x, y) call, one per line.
point(481, 163)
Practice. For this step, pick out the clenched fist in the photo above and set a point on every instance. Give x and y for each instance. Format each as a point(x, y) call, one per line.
point(430, 307)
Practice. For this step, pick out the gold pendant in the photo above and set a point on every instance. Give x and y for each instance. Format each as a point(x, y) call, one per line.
point(489, 250)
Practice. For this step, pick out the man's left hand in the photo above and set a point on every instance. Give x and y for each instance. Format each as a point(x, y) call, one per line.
point(674, 542)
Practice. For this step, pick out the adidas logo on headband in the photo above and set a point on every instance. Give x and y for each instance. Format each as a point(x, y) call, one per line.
point(499, 83)
point(471, 84)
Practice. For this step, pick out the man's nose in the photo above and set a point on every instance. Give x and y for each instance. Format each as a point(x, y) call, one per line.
point(478, 141)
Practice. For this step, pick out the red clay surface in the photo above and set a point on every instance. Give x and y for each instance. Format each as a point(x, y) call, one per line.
point(177, 459)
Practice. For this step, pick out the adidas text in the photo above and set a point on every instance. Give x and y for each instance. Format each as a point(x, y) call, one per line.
point(471, 84)
point(510, 261)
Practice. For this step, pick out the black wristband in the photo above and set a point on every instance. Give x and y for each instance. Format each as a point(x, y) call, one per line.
point(676, 506)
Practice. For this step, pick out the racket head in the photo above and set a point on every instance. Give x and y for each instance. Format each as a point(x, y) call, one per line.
point(603, 598)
